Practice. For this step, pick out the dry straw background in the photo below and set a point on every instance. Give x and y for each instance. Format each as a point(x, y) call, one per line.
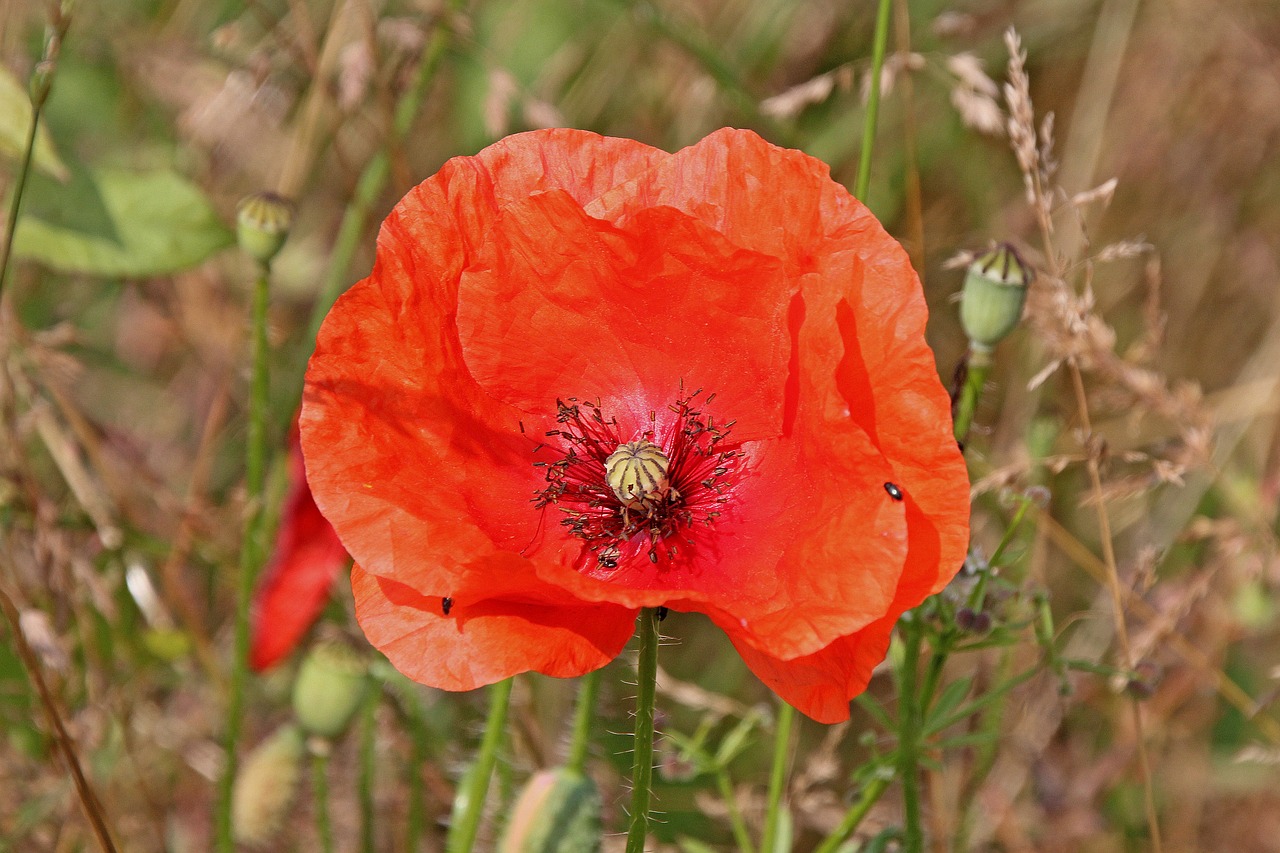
point(1147, 203)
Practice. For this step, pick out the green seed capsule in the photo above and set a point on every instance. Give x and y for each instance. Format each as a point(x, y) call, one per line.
point(558, 812)
point(264, 787)
point(263, 221)
point(995, 288)
point(329, 690)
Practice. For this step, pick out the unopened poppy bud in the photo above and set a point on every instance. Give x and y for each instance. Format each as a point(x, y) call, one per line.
point(263, 221)
point(995, 288)
point(558, 812)
point(265, 785)
point(329, 689)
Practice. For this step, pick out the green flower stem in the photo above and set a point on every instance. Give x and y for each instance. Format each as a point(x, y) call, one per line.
point(320, 797)
point(871, 793)
point(642, 760)
point(15, 205)
point(374, 178)
point(778, 774)
point(584, 715)
point(873, 100)
point(979, 365)
point(421, 739)
point(736, 823)
point(368, 768)
point(909, 726)
point(462, 836)
point(251, 549)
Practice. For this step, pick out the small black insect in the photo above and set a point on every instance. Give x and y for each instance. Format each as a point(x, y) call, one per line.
point(893, 490)
point(608, 557)
point(662, 613)
point(446, 604)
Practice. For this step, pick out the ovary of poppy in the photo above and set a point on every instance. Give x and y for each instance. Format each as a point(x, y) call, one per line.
point(305, 560)
point(727, 320)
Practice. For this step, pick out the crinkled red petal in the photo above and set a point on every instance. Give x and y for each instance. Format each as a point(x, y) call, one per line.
point(306, 559)
point(484, 641)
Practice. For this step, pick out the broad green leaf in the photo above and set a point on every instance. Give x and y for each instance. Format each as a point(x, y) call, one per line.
point(15, 126)
point(113, 222)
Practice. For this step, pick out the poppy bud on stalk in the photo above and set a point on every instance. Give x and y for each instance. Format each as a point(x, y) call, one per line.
point(330, 688)
point(265, 785)
point(995, 289)
point(263, 221)
point(558, 812)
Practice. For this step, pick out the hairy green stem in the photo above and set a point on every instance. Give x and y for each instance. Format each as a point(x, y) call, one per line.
point(320, 797)
point(853, 818)
point(778, 774)
point(584, 715)
point(642, 760)
point(251, 549)
point(878, 47)
point(979, 365)
point(909, 726)
point(462, 835)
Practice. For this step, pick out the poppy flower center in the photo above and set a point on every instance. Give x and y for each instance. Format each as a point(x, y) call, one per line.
point(653, 490)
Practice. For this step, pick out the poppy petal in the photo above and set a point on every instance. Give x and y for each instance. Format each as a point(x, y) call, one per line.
point(821, 684)
point(295, 585)
point(483, 642)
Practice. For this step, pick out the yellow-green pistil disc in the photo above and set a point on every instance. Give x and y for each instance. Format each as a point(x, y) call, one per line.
point(637, 472)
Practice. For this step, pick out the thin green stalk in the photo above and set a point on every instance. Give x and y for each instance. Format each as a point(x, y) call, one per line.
point(374, 178)
point(642, 760)
point(778, 774)
point(41, 86)
point(736, 823)
point(320, 797)
point(979, 365)
point(250, 549)
point(853, 818)
point(873, 100)
point(909, 725)
point(462, 836)
point(584, 715)
point(421, 740)
point(368, 768)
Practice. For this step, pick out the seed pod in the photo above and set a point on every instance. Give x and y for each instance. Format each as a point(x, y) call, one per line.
point(265, 785)
point(329, 689)
point(995, 288)
point(557, 812)
point(263, 221)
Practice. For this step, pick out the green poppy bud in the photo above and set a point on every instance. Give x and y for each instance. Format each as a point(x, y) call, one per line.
point(558, 812)
point(330, 688)
point(263, 221)
point(265, 785)
point(995, 288)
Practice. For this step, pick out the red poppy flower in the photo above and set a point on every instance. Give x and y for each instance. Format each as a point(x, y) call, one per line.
point(304, 562)
point(587, 376)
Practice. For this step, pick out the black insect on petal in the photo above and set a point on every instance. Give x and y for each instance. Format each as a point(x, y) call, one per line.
point(893, 490)
point(446, 604)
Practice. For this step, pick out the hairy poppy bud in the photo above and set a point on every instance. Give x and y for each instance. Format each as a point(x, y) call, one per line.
point(265, 785)
point(995, 288)
point(558, 812)
point(263, 221)
point(330, 687)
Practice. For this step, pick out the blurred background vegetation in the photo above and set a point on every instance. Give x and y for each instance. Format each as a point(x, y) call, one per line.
point(121, 470)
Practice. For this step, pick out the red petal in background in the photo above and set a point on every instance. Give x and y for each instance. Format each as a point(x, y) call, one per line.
point(295, 586)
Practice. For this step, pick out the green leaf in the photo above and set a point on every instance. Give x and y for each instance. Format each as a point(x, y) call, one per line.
point(112, 222)
point(15, 125)
point(950, 699)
